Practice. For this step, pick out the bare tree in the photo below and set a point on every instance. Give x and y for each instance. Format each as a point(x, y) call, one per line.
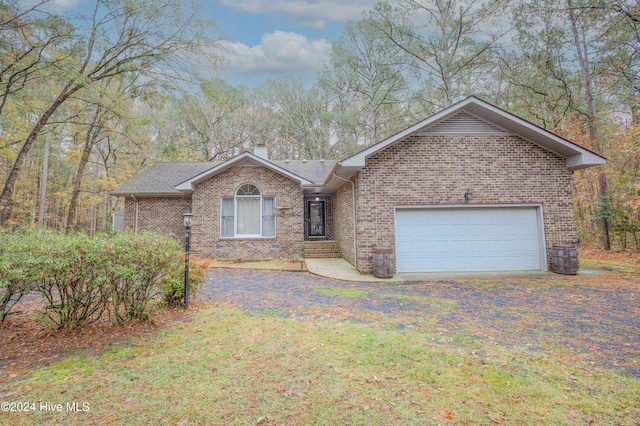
point(447, 42)
point(300, 117)
point(121, 38)
point(369, 70)
point(25, 38)
point(218, 119)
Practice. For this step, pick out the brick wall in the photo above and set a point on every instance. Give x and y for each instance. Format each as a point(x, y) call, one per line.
point(289, 215)
point(342, 202)
point(437, 170)
point(157, 214)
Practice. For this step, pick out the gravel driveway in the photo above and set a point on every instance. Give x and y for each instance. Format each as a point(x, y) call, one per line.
point(597, 317)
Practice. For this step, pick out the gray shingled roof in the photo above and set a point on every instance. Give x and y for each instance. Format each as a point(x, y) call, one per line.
point(315, 171)
point(161, 178)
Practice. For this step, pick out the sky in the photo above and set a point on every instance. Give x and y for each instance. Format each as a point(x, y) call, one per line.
point(269, 38)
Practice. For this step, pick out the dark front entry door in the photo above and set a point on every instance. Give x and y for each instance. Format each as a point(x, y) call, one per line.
point(316, 219)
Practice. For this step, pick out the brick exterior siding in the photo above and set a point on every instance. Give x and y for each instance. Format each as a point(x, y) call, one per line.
point(437, 170)
point(289, 215)
point(157, 214)
point(418, 171)
point(342, 202)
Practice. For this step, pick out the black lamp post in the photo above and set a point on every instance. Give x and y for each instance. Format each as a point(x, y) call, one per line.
point(186, 222)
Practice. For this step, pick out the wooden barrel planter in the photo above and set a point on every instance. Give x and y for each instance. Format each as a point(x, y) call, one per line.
point(564, 259)
point(383, 264)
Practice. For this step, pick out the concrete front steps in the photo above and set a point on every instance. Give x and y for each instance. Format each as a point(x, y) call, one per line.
point(321, 249)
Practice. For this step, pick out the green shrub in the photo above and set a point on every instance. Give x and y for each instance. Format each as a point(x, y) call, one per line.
point(173, 286)
point(83, 278)
point(140, 266)
point(15, 279)
point(70, 277)
point(173, 291)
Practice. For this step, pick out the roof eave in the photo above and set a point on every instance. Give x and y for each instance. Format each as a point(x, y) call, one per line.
point(584, 160)
point(576, 156)
point(188, 186)
point(147, 194)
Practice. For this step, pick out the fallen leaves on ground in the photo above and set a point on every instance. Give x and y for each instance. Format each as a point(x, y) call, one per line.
point(27, 343)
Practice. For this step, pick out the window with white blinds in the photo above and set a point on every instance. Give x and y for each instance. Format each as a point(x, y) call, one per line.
point(248, 214)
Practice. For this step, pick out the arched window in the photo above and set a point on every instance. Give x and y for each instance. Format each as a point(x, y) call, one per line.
point(248, 190)
point(248, 214)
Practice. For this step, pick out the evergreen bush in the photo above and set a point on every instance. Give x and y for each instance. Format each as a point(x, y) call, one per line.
point(83, 278)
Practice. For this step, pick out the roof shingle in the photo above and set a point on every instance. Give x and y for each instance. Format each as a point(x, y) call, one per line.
point(160, 179)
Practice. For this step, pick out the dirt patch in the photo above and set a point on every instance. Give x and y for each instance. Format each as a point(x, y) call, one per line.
point(28, 344)
point(268, 264)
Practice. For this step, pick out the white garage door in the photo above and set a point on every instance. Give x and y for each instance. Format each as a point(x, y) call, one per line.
point(468, 239)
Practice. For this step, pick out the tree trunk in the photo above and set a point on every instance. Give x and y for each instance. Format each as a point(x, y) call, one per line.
point(583, 58)
point(55, 214)
point(90, 142)
point(27, 174)
point(94, 207)
point(105, 206)
point(43, 191)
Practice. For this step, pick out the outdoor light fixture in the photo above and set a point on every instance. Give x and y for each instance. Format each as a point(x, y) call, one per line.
point(317, 198)
point(186, 219)
point(468, 195)
point(186, 222)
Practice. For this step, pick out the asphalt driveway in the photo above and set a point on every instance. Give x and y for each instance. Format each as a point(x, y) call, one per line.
point(597, 317)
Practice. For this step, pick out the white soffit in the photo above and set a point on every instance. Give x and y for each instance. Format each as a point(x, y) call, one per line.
point(582, 157)
point(576, 156)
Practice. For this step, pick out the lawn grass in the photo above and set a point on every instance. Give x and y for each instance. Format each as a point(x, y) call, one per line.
point(613, 260)
point(436, 303)
point(610, 265)
point(228, 366)
point(347, 293)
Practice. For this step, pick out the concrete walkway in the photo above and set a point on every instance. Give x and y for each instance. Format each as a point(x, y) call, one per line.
point(340, 269)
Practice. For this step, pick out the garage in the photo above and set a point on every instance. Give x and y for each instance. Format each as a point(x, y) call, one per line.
point(469, 239)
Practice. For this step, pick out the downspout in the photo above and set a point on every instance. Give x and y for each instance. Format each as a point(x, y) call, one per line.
point(355, 234)
point(135, 225)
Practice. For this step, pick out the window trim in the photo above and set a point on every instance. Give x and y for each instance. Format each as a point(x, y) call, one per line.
point(235, 197)
point(273, 216)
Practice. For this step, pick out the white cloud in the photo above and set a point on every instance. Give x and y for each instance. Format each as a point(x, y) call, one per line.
point(64, 4)
point(314, 13)
point(54, 6)
point(278, 53)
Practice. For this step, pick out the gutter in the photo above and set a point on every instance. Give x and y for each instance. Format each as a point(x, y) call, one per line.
point(355, 235)
point(332, 172)
point(135, 226)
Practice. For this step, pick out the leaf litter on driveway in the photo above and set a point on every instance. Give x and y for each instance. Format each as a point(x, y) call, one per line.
point(597, 318)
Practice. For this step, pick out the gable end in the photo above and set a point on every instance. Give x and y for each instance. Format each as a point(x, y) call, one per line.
point(463, 123)
point(484, 118)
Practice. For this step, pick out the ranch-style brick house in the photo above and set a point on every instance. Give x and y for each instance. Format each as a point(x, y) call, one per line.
point(472, 188)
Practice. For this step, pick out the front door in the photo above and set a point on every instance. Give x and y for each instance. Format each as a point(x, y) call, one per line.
point(316, 219)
